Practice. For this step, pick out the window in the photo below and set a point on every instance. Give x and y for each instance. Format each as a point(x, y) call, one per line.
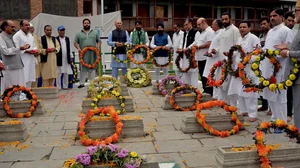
point(60, 7)
point(126, 10)
point(15, 9)
point(87, 7)
point(109, 6)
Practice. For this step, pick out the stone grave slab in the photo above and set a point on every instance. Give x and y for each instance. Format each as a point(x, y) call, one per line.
point(216, 117)
point(169, 87)
point(86, 104)
point(124, 91)
point(13, 132)
point(22, 107)
point(46, 92)
point(287, 155)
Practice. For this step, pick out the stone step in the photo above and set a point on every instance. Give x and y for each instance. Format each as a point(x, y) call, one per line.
point(15, 132)
point(287, 155)
point(46, 92)
point(22, 107)
point(217, 118)
point(169, 88)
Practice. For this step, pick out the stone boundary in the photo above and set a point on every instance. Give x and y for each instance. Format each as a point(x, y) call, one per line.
point(46, 92)
point(169, 88)
point(13, 132)
point(22, 107)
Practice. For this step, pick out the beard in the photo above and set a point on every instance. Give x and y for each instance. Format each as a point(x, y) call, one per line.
point(138, 28)
point(86, 27)
point(226, 24)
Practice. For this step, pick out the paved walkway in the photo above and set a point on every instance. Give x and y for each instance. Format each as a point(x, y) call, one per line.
point(52, 136)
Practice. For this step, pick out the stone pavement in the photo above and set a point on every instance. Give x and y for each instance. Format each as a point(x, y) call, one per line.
point(52, 135)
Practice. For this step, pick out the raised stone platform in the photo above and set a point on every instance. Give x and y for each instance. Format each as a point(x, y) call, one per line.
point(169, 88)
point(22, 107)
point(287, 155)
point(46, 92)
point(86, 104)
point(216, 117)
point(13, 132)
point(184, 100)
point(124, 90)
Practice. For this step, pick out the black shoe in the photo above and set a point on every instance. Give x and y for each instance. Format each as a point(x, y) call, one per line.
point(81, 86)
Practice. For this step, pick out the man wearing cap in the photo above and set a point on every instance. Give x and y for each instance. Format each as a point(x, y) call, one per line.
point(161, 56)
point(23, 37)
point(63, 59)
point(139, 36)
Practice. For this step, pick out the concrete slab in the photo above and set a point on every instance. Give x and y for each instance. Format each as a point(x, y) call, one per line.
point(141, 147)
point(60, 153)
point(178, 146)
point(43, 141)
point(27, 154)
point(70, 125)
point(43, 163)
point(170, 135)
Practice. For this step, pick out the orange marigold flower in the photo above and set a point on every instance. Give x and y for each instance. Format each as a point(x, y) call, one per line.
point(241, 66)
point(262, 151)
point(224, 134)
point(280, 123)
point(293, 128)
point(265, 125)
point(232, 108)
point(259, 136)
point(216, 132)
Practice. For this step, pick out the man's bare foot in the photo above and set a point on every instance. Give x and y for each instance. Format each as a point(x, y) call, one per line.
point(250, 119)
point(245, 114)
point(289, 119)
point(262, 109)
point(269, 112)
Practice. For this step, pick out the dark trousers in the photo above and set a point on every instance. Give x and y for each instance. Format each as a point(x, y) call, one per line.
point(289, 97)
point(264, 103)
point(201, 66)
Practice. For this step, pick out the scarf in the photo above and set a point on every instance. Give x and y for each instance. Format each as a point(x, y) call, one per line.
point(139, 39)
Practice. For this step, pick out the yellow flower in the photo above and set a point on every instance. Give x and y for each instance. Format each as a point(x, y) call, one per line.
point(99, 96)
point(270, 52)
point(93, 105)
point(292, 77)
point(101, 114)
point(257, 58)
point(113, 92)
point(276, 52)
point(266, 83)
point(294, 59)
point(295, 70)
point(95, 99)
point(272, 87)
point(118, 112)
point(117, 94)
point(261, 79)
point(254, 66)
point(256, 72)
point(122, 105)
point(297, 66)
point(133, 154)
point(288, 83)
point(121, 97)
point(281, 86)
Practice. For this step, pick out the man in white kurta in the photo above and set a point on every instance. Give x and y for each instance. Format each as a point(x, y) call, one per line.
point(227, 38)
point(247, 101)
point(21, 38)
point(213, 58)
point(276, 36)
point(177, 37)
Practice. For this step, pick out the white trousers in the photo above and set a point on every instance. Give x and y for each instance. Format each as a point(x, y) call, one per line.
point(248, 105)
point(279, 110)
point(65, 80)
point(12, 77)
point(138, 57)
point(28, 84)
point(191, 78)
point(216, 93)
point(91, 75)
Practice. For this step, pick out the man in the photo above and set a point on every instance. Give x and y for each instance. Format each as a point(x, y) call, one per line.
point(265, 26)
point(23, 37)
point(37, 57)
point(227, 38)
point(10, 54)
point(139, 36)
point(190, 77)
point(161, 56)
point(177, 36)
point(277, 35)
point(289, 19)
point(247, 101)
point(118, 38)
point(63, 59)
point(87, 37)
point(50, 48)
point(202, 43)
point(294, 52)
point(213, 58)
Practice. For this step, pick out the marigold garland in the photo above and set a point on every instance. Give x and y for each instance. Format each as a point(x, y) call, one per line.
point(104, 83)
point(13, 122)
point(116, 57)
point(210, 79)
point(181, 89)
point(169, 54)
point(229, 68)
point(138, 77)
point(86, 141)
point(202, 120)
point(130, 53)
point(30, 96)
point(259, 137)
point(75, 72)
point(108, 94)
point(90, 66)
point(161, 87)
point(190, 54)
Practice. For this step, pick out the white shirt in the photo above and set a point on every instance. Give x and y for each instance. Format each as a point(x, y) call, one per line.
point(205, 36)
point(177, 37)
point(66, 67)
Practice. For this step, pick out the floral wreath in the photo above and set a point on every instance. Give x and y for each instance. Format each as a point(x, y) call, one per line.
point(229, 68)
point(180, 89)
point(271, 82)
point(210, 79)
point(100, 84)
point(90, 66)
point(108, 94)
point(29, 95)
point(154, 61)
point(190, 54)
point(110, 155)
point(138, 77)
point(259, 138)
point(75, 72)
point(202, 119)
point(130, 53)
point(116, 57)
point(84, 138)
point(161, 87)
